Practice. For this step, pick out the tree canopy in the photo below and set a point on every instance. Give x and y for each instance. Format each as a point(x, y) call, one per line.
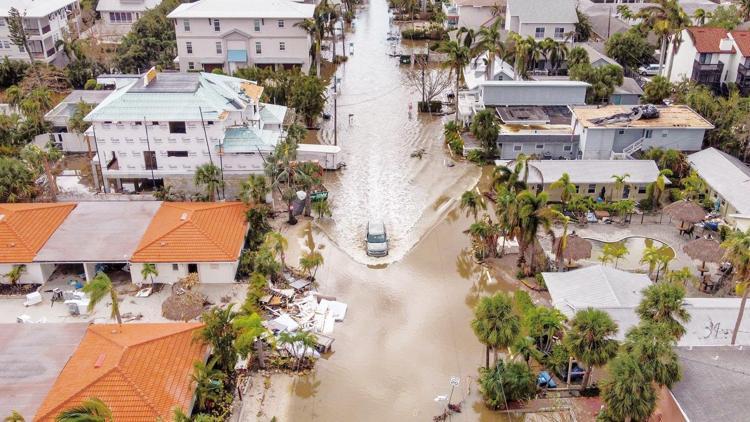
point(151, 41)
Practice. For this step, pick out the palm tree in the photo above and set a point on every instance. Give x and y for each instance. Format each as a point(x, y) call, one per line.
point(250, 331)
point(737, 247)
point(525, 347)
point(666, 19)
point(15, 274)
point(653, 346)
point(567, 188)
point(458, 56)
point(277, 243)
point(495, 324)
point(744, 9)
point(658, 186)
point(14, 417)
point(209, 384)
point(620, 183)
point(310, 262)
point(471, 203)
point(657, 258)
point(99, 288)
point(14, 96)
point(149, 271)
point(307, 341)
point(219, 332)
point(43, 159)
point(255, 189)
point(491, 43)
point(322, 208)
point(583, 28)
point(507, 213)
point(310, 26)
point(211, 178)
point(514, 180)
point(681, 276)
point(693, 186)
point(309, 176)
point(665, 304)
point(533, 214)
point(627, 393)
point(90, 410)
point(616, 250)
point(590, 339)
point(700, 16)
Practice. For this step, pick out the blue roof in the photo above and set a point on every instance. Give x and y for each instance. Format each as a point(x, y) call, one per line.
point(237, 56)
point(248, 139)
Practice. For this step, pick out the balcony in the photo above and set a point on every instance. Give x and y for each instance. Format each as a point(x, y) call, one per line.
point(37, 55)
point(51, 52)
point(36, 31)
point(743, 78)
point(708, 74)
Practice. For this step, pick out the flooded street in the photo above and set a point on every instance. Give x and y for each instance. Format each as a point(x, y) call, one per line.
point(381, 180)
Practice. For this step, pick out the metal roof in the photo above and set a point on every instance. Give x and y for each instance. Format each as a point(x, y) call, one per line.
point(725, 174)
point(243, 9)
point(593, 171)
point(543, 11)
point(32, 8)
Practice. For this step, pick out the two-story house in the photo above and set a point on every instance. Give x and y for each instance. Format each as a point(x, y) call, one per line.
point(118, 16)
point(157, 129)
point(231, 34)
point(473, 14)
point(45, 22)
point(542, 19)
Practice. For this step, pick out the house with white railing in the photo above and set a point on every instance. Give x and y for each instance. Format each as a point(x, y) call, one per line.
point(617, 132)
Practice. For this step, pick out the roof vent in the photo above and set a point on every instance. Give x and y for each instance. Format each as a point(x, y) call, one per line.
point(2, 217)
point(99, 361)
point(183, 216)
point(12, 244)
point(162, 243)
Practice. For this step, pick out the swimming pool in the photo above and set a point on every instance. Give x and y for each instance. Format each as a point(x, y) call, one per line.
point(635, 245)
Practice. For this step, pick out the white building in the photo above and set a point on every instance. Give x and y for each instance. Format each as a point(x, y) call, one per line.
point(159, 127)
point(727, 182)
point(230, 34)
point(542, 19)
point(45, 23)
point(616, 132)
point(473, 14)
point(118, 16)
point(59, 118)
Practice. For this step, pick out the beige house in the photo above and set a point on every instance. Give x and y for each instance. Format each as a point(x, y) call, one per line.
point(231, 34)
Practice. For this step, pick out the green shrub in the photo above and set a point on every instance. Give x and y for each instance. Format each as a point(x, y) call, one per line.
point(90, 85)
point(646, 204)
point(475, 156)
point(540, 281)
point(675, 194)
point(520, 275)
point(505, 383)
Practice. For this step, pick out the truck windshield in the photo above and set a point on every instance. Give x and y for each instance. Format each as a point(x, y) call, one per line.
point(376, 238)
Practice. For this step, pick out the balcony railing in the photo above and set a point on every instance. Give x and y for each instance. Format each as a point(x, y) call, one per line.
point(743, 70)
point(707, 73)
point(707, 67)
point(37, 55)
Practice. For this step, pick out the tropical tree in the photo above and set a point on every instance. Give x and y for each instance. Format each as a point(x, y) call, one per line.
point(310, 262)
point(322, 208)
point(16, 180)
point(265, 262)
point(656, 90)
point(307, 97)
point(495, 324)
point(14, 417)
point(514, 180)
point(681, 276)
point(700, 16)
point(525, 347)
point(309, 176)
point(485, 128)
point(149, 271)
point(490, 43)
point(630, 48)
point(277, 243)
point(255, 189)
point(692, 186)
point(615, 250)
point(737, 251)
point(659, 186)
point(458, 56)
point(590, 339)
point(310, 25)
point(533, 215)
point(211, 178)
point(657, 257)
point(90, 410)
point(744, 10)
point(42, 160)
point(653, 346)
point(150, 42)
point(218, 331)
point(583, 28)
point(99, 288)
point(666, 19)
point(578, 55)
point(506, 382)
point(472, 202)
point(727, 17)
point(17, 32)
point(627, 393)
point(566, 187)
point(250, 332)
point(209, 384)
point(15, 274)
point(543, 324)
point(665, 304)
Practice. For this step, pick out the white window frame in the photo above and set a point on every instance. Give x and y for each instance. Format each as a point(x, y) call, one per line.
point(281, 23)
point(189, 47)
point(216, 24)
point(282, 46)
point(256, 25)
point(559, 33)
point(219, 48)
point(258, 47)
point(191, 65)
point(537, 31)
point(591, 188)
point(186, 25)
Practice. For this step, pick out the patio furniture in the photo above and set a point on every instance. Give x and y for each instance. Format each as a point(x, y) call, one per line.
point(601, 214)
point(704, 250)
point(34, 298)
point(708, 285)
point(687, 212)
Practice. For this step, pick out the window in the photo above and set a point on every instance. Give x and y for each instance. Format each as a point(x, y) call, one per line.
point(591, 188)
point(258, 49)
point(559, 33)
point(664, 133)
point(621, 132)
point(648, 133)
point(704, 58)
point(177, 153)
point(567, 147)
point(120, 17)
point(539, 32)
point(175, 267)
point(256, 25)
point(177, 127)
point(641, 188)
point(218, 47)
point(6, 44)
point(149, 159)
point(217, 25)
point(517, 147)
point(282, 46)
point(539, 146)
point(191, 66)
point(186, 25)
point(281, 23)
point(189, 47)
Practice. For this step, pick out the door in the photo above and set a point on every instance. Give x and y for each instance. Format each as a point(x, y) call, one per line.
point(192, 268)
point(626, 192)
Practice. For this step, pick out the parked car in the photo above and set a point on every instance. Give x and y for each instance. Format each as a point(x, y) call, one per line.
point(377, 239)
point(649, 70)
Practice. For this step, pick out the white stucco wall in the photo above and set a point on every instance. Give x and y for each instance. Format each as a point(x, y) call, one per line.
point(35, 273)
point(474, 17)
point(170, 273)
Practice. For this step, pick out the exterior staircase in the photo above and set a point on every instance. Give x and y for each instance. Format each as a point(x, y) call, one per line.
point(628, 151)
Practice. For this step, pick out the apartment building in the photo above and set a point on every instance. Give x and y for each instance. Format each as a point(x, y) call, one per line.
point(157, 129)
point(45, 23)
point(118, 16)
point(542, 19)
point(231, 34)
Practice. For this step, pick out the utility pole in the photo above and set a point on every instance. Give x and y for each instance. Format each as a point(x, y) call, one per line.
point(335, 92)
point(150, 161)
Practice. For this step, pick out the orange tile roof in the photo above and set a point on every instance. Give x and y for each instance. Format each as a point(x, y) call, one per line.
point(708, 40)
point(141, 371)
point(25, 228)
point(742, 39)
point(194, 232)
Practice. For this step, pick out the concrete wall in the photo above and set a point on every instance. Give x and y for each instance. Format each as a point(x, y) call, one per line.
point(35, 273)
point(596, 144)
point(209, 273)
point(529, 30)
point(676, 138)
point(625, 99)
point(474, 17)
point(509, 149)
point(682, 66)
point(583, 189)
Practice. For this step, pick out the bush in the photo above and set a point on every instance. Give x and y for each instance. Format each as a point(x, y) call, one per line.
point(475, 156)
point(506, 382)
point(520, 275)
point(557, 360)
point(675, 194)
point(724, 231)
point(413, 34)
point(540, 281)
point(430, 107)
point(646, 204)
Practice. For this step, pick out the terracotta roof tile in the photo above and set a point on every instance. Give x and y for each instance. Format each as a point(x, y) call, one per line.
point(194, 232)
point(145, 371)
point(708, 40)
point(742, 39)
point(25, 228)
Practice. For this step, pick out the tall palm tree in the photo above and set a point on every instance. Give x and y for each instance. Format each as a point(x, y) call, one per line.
point(99, 288)
point(583, 28)
point(620, 183)
point(665, 304)
point(525, 347)
point(250, 331)
point(533, 215)
point(514, 180)
point(255, 189)
point(310, 25)
point(90, 410)
point(219, 332)
point(277, 243)
point(653, 346)
point(590, 339)
point(490, 43)
point(737, 247)
point(567, 188)
point(666, 19)
point(627, 393)
point(458, 56)
point(310, 262)
point(495, 324)
point(309, 177)
point(14, 96)
point(659, 186)
point(210, 177)
point(507, 213)
point(616, 250)
point(700, 16)
point(472, 202)
point(149, 271)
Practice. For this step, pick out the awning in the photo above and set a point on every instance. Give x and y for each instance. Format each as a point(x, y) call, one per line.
point(237, 56)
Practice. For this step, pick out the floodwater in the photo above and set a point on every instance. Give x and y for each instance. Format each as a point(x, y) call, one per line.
point(377, 134)
point(632, 261)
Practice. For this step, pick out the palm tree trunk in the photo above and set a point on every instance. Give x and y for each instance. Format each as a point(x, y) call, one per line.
point(50, 181)
point(671, 60)
point(662, 54)
point(458, 79)
point(586, 376)
point(739, 315)
point(261, 354)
